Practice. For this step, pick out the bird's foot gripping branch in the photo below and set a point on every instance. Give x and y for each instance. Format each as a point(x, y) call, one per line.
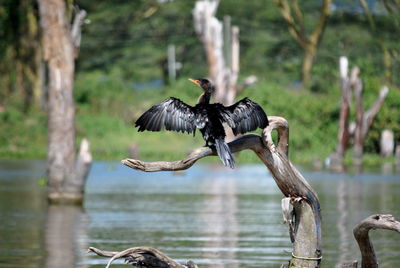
point(305, 230)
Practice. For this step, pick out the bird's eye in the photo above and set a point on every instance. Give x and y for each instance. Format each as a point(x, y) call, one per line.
point(377, 217)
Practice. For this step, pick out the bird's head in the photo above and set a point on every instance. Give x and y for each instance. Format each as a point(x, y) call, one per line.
point(205, 84)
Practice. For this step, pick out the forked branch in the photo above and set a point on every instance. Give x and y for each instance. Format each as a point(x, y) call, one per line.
point(307, 237)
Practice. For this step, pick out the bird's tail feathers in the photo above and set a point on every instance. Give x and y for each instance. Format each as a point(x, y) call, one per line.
point(224, 153)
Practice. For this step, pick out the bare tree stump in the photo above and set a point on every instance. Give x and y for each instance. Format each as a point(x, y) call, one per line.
point(305, 224)
point(387, 143)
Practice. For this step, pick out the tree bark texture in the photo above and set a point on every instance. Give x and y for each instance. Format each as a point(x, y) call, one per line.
point(59, 53)
point(306, 235)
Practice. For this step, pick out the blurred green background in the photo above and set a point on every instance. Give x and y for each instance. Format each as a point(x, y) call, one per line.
point(121, 72)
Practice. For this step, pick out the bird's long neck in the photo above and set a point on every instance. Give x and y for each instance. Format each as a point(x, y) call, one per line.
point(205, 97)
point(367, 250)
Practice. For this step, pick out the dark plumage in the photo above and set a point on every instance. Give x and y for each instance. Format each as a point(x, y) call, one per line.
point(173, 114)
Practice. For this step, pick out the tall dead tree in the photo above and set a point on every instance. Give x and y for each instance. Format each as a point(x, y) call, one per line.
point(224, 71)
point(66, 172)
point(358, 129)
point(294, 17)
point(343, 133)
point(304, 220)
point(364, 118)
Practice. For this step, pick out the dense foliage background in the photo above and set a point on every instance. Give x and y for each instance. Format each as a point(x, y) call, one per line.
point(121, 71)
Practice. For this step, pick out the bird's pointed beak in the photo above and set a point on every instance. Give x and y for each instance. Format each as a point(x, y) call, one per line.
point(195, 81)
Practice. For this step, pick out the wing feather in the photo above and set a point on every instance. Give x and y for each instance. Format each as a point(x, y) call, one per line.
point(244, 116)
point(171, 114)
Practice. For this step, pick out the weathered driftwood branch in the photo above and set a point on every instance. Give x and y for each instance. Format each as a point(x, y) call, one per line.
point(361, 234)
point(142, 257)
point(307, 218)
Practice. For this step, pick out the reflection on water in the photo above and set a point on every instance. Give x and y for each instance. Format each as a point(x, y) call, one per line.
point(217, 218)
point(219, 214)
point(66, 235)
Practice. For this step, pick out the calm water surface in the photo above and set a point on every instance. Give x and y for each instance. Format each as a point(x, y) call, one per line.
point(213, 216)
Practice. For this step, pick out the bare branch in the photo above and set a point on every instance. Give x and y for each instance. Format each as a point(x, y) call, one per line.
point(323, 19)
point(294, 30)
point(251, 141)
point(306, 236)
point(367, 12)
point(76, 30)
point(371, 113)
point(242, 143)
point(247, 82)
point(145, 256)
point(299, 15)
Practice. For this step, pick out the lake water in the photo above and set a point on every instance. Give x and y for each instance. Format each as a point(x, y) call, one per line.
point(211, 215)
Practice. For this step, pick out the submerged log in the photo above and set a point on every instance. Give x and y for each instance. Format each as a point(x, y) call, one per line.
point(142, 257)
point(305, 220)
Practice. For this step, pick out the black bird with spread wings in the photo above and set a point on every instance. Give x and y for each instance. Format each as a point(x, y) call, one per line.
point(175, 115)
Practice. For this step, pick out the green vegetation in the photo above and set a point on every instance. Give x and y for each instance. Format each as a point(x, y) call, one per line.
point(124, 48)
point(107, 121)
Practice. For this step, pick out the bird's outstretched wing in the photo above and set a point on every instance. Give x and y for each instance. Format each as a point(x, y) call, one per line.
point(244, 116)
point(173, 114)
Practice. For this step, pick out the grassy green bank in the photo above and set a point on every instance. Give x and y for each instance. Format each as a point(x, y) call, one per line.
point(106, 109)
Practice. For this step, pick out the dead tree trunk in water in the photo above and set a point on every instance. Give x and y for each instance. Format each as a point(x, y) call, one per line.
point(66, 173)
point(364, 119)
point(343, 133)
point(305, 220)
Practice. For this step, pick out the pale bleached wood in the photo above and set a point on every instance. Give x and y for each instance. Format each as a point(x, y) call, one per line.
point(307, 236)
point(343, 133)
point(222, 69)
point(364, 119)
